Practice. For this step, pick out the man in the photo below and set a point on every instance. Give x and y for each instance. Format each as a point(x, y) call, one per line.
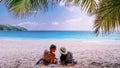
point(48, 56)
point(66, 57)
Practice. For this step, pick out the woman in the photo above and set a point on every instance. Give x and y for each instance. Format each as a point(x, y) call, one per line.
point(48, 56)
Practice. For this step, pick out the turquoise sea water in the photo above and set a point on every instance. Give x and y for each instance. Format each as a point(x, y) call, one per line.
point(85, 35)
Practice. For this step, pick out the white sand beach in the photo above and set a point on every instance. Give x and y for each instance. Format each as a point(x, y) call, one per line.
point(24, 53)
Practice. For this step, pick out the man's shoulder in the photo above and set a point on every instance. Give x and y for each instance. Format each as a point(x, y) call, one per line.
point(69, 53)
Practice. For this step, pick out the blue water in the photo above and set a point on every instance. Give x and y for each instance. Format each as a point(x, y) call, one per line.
point(85, 35)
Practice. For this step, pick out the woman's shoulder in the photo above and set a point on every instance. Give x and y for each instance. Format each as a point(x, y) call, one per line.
point(46, 52)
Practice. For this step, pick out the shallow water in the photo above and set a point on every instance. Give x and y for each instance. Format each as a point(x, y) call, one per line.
point(84, 35)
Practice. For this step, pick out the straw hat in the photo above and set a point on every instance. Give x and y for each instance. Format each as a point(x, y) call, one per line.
point(63, 50)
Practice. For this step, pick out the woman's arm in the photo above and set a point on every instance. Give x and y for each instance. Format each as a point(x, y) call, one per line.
point(46, 55)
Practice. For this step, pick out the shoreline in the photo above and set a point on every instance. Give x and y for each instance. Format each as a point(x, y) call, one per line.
point(58, 39)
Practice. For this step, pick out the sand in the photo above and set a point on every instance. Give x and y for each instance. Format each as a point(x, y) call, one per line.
point(24, 53)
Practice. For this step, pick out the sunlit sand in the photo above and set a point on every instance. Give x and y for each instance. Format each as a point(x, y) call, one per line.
point(24, 53)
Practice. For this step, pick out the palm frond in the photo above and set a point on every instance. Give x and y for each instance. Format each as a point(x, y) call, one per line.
point(23, 7)
point(90, 6)
point(108, 16)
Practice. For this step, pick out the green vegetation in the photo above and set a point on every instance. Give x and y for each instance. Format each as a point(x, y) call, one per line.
point(6, 27)
point(107, 12)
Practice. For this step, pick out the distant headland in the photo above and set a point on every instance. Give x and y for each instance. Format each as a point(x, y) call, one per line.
point(7, 27)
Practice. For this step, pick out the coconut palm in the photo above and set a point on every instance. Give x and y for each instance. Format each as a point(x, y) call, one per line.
point(107, 12)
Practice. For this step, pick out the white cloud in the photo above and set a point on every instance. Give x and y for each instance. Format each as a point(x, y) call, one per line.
point(62, 3)
point(79, 23)
point(73, 9)
point(34, 11)
point(70, 6)
point(28, 24)
point(55, 23)
point(73, 21)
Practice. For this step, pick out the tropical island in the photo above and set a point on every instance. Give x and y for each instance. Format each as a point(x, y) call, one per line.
point(23, 49)
point(7, 27)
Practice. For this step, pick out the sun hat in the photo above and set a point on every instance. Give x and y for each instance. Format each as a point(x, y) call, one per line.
point(63, 50)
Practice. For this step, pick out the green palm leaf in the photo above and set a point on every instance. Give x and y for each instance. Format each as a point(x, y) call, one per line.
point(90, 6)
point(108, 16)
point(23, 7)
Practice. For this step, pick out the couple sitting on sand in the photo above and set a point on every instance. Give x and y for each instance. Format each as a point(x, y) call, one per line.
point(49, 57)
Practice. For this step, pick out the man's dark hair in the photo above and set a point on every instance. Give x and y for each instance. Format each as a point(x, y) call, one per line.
point(52, 46)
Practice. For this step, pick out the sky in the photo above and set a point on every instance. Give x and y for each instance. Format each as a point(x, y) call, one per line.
point(58, 17)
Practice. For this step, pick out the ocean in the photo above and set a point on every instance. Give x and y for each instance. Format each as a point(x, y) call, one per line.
point(83, 35)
